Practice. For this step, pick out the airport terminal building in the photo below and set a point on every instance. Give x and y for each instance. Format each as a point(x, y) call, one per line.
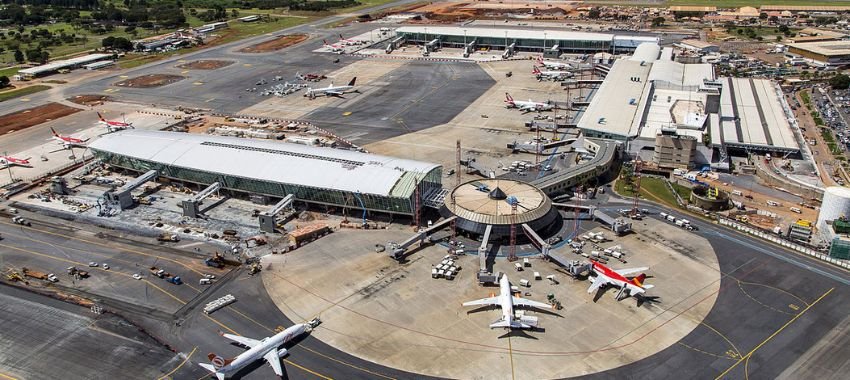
point(322, 176)
point(553, 42)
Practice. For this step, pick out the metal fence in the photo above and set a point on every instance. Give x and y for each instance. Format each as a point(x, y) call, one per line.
point(769, 236)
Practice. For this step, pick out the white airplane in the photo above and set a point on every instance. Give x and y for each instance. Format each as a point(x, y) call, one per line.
point(258, 349)
point(69, 142)
point(6, 161)
point(629, 286)
point(335, 48)
point(331, 90)
point(348, 42)
point(553, 65)
point(113, 125)
point(529, 106)
point(551, 75)
point(507, 302)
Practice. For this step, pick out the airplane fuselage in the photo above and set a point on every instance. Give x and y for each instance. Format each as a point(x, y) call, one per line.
point(506, 299)
point(257, 352)
point(617, 279)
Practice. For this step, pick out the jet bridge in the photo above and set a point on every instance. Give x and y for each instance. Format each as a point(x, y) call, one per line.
point(268, 220)
point(469, 48)
point(617, 225)
point(397, 250)
point(510, 51)
point(394, 44)
point(432, 46)
point(123, 196)
point(191, 205)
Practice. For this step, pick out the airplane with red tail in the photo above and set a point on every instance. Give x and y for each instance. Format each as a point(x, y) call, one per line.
point(69, 142)
point(6, 161)
point(629, 286)
point(112, 124)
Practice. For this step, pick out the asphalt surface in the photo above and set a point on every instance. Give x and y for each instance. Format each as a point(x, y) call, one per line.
point(421, 95)
point(167, 313)
point(45, 338)
point(773, 306)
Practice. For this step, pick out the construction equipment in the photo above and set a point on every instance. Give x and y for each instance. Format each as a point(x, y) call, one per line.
point(217, 261)
point(554, 302)
point(168, 236)
point(78, 273)
point(39, 275)
point(14, 276)
point(255, 268)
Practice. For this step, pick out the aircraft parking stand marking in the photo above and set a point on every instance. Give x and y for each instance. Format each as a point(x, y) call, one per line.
point(775, 333)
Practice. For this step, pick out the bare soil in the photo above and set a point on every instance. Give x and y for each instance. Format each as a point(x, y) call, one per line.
point(33, 116)
point(275, 44)
point(205, 65)
point(149, 81)
point(90, 100)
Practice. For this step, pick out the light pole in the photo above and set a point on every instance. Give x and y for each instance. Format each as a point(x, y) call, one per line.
point(9, 166)
point(464, 37)
point(506, 40)
point(544, 42)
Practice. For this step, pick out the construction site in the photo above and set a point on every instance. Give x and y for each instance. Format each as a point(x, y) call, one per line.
point(379, 178)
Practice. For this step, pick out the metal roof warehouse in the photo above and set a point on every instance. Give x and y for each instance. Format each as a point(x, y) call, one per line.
point(312, 174)
point(63, 64)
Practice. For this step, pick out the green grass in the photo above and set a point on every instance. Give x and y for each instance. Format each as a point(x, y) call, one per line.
point(4, 96)
point(653, 189)
point(9, 71)
point(827, 135)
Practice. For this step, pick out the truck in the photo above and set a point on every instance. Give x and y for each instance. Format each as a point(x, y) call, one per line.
point(217, 261)
point(174, 280)
point(680, 223)
point(39, 275)
point(671, 218)
point(167, 236)
point(78, 273)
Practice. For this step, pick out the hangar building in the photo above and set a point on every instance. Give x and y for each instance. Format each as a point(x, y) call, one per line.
point(323, 176)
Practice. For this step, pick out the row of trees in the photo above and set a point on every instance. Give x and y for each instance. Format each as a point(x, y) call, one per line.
point(33, 55)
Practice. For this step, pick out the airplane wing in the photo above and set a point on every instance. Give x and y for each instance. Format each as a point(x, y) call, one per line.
point(274, 361)
point(242, 340)
point(597, 282)
point(483, 301)
point(333, 92)
point(626, 272)
point(529, 303)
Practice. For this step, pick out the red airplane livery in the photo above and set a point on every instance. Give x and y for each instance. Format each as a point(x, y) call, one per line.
point(631, 286)
point(112, 124)
point(68, 141)
point(6, 161)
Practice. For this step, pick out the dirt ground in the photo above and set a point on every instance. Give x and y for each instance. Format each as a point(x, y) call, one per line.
point(33, 116)
point(205, 65)
point(451, 11)
point(275, 44)
point(152, 80)
point(90, 100)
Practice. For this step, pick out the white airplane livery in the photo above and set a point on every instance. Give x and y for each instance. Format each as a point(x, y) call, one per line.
point(331, 90)
point(551, 75)
point(267, 349)
point(507, 301)
point(527, 106)
point(553, 65)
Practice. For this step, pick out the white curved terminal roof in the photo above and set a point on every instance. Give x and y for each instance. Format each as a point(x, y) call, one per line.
point(273, 161)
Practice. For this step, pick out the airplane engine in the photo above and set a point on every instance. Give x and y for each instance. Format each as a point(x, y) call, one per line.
point(282, 352)
point(3, 162)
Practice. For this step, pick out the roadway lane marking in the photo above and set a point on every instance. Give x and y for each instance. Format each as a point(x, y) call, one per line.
point(106, 246)
point(5, 376)
point(511, 355)
point(85, 265)
point(775, 333)
point(181, 364)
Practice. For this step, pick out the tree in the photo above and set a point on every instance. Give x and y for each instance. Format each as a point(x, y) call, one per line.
point(840, 82)
point(762, 16)
point(19, 56)
point(778, 38)
point(4, 81)
point(234, 13)
point(658, 21)
point(594, 13)
point(108, 42)
point(773, 20)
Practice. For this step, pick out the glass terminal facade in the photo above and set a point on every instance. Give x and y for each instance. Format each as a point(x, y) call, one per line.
point(399, 201)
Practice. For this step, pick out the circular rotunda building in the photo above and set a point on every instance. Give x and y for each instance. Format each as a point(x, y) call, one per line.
point(484, 202)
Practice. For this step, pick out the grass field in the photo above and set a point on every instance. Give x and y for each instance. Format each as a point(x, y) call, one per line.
point(654, 189)
point(4, 96)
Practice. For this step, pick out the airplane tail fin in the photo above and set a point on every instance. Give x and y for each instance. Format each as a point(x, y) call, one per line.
point(54, 132)
point(209, 367)
point(217, 361)
point(99, 116)
point(325, 42)
point(508, 98)
point(341, 37)
point(352, 81)
point(639, 280)
point(535, 70)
